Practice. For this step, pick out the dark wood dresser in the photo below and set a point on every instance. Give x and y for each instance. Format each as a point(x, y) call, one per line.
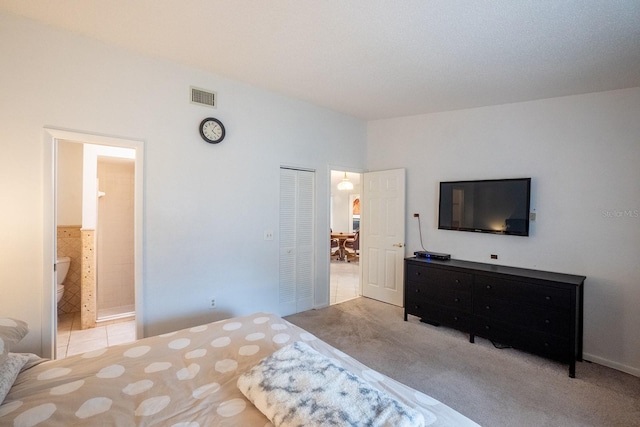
point(531, 310)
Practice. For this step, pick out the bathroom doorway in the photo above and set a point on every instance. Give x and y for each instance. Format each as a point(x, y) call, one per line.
point(344, 252)
point(96, 205)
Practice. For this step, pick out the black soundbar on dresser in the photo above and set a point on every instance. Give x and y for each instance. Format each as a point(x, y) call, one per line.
point(531, 310)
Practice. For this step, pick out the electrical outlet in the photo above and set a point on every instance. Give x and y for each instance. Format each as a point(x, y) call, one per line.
point(416, 215)
point(494, 256)
point(213, 303)
point(268, 235)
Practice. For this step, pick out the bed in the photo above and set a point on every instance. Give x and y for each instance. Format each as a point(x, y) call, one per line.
point(186, 378)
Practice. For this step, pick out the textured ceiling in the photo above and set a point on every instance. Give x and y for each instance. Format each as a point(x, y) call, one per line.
point(377, 59)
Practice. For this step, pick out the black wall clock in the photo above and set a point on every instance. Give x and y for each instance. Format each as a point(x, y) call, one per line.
point(212, 130)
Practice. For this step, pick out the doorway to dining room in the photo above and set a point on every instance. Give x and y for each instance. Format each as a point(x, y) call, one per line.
point(344, 220)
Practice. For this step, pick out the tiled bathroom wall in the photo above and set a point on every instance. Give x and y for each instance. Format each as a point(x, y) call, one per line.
point(115, 237)
point(70, 244)
point(88, 282)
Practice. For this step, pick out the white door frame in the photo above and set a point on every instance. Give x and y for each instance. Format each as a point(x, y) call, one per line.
point(49, 309)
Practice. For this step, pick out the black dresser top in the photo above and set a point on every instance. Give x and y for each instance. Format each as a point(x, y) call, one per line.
point(456, 264)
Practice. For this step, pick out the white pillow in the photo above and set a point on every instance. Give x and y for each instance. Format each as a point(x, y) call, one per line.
point(11, 332)
point(9, 371)
point(297, 386)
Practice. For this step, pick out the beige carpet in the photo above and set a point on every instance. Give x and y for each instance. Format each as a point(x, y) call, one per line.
point(491, 386)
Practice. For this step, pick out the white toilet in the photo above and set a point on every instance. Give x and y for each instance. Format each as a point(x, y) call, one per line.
point(62, 268)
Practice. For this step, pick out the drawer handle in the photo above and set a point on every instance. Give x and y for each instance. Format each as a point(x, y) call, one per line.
point(548, 298)
point(546, 344)
point(487, 327)
point(456, 299)
point(417, 273)
point(457, 281)
point(416, 306)
point(488, 286)
point(487, 307)
point(455, 318)
point(417, 291)
point(547, 321)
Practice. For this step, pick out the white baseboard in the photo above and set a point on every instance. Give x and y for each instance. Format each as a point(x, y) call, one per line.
point(611, 364)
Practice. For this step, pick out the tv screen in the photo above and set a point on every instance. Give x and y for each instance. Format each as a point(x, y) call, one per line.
point(499, 206)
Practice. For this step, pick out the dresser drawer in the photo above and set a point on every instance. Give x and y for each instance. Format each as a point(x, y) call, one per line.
point(495, 330)
point(439, 315)
point(523, 315)
point(451, 280)
point(417, 291)
point(546, 345)
point(505, 333)
point(554, 323)
point(518, 292)
point(494, 308)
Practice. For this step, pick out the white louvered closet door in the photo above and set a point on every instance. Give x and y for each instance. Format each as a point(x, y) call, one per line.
point(297, 222)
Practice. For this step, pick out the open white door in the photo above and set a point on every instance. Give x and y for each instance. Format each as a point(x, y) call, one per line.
point(382, 236)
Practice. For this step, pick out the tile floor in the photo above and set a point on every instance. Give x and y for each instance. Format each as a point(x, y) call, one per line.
point(73, 340)
point(344, 283)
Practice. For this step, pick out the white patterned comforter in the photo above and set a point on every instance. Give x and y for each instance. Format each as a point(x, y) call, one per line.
point(182, 379)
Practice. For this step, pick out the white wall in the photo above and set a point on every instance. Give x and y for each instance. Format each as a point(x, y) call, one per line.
point(583, 155)
point(69, 184)
point(206, 207)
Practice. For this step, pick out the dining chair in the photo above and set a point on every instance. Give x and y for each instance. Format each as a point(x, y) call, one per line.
point(352, 247)
point(334, 248)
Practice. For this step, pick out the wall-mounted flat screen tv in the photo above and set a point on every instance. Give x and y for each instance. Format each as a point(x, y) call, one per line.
point(499, 206)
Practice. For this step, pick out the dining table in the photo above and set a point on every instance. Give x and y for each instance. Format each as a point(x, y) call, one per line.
point(342, 237)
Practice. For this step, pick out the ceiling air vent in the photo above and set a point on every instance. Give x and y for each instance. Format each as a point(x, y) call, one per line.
point(204, 97)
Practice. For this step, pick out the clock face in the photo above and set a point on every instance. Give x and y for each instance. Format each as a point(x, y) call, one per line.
point(212, 130)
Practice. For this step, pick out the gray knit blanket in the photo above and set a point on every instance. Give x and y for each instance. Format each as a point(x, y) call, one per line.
point(297, 386)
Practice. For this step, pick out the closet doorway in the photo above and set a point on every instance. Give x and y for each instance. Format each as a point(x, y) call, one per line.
point(296, 285)
point(344, 239)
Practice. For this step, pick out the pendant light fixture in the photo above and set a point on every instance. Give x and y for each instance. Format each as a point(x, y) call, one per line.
point(345, 184)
